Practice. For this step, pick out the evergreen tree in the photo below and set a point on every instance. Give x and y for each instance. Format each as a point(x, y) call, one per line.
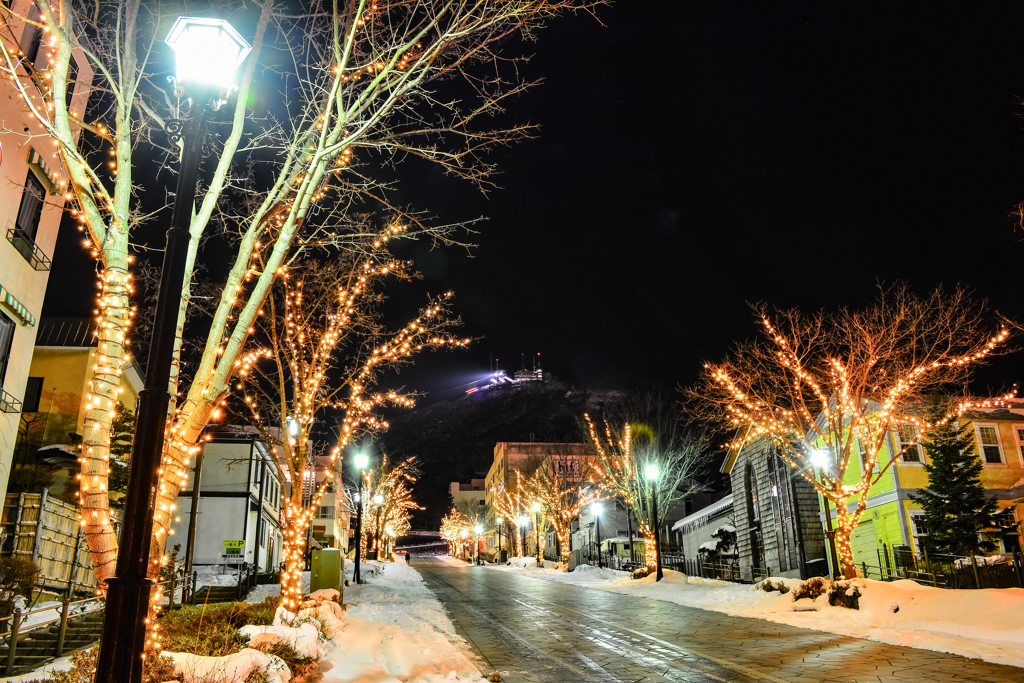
point(956, 508)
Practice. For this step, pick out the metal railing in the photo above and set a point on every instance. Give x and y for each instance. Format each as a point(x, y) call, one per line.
point(13, 631)
point(946, 571)
point(28, 248)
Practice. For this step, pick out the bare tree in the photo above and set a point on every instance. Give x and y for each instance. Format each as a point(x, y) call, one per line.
point(320, 346)
point(563, 485)
point(393, 515)
point(509, 502)
point(826, 389)
point(647, 432)
point(364, 86)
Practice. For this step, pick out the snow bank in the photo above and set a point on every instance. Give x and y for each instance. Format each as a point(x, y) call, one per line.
point(985, 624)
point(229, 669)
point(397, 630)
point(304, 638)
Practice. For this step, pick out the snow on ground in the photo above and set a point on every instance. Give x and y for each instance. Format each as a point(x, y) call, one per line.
point(396, 631)
point(216, 575)
point(272, 590)
point(985, 624)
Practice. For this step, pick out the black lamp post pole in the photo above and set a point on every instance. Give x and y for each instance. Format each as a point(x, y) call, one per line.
point(536, 525)
point(654, 527)
point(124, 625)
point(499, 542)
point(597, 521)
point(359, 526)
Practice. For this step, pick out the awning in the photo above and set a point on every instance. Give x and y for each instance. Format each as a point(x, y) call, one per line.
point(36, 163)
point(16, 307)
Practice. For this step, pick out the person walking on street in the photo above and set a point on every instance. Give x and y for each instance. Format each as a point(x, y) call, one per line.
point(408, 557)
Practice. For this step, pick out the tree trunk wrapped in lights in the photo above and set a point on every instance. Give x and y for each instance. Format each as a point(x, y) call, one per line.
point(366, 74)
point(321, 346)
point(828, 389)
point(646, 431)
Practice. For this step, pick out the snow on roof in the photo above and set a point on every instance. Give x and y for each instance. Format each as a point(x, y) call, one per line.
point(703, 512)
point(709, 545)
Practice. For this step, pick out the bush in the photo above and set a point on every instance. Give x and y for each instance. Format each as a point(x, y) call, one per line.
point(845, 594)
point(83, 669)
point(812, 588)
point(212, 630)
point(767, 586)
point(639, 573)
point(17, 579)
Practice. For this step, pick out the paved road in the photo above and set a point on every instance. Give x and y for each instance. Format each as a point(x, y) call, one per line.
point(536, 631)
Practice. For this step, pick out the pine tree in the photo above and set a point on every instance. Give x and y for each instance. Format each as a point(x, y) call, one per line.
point(956, 508)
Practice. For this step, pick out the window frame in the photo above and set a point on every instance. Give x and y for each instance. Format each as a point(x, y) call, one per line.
point(29, 406)
point(900, 445)
point(1018, 436)
point(5, 349)
point(981, 445)
point(915, 514)
point(30, 177)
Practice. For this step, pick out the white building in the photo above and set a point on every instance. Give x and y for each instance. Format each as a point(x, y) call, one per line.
point(331, 522)
point(31, 203)
point(239, 499)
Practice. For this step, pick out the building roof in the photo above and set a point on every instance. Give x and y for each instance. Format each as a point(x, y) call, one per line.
point(69, 332)
point(707, 512)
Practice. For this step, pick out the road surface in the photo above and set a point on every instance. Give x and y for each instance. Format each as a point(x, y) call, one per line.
point(536, 631)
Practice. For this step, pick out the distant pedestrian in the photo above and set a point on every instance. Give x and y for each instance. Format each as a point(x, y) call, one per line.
point(408, 558)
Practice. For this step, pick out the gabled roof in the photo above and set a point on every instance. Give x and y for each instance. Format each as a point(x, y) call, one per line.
point(68, 332)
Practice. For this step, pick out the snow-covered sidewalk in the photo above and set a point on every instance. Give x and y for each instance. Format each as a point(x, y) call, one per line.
point(985, 624)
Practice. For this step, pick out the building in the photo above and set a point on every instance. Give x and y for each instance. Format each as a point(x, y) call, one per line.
point(331, 522)
point(469, 495)
point(240, 495)
point(54, 400)
point(31, 204)
point(696, 529)
point(893, 521)
point(776, 513)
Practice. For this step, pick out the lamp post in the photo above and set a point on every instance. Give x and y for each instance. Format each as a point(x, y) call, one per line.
point(362, 461)
point(479, 530)
point(596, 509)
point(500, 521)
point(523, 521)
point(820, 462)
point(651, 472)
point(536, 526)
point(378, 500)
point(208, 52)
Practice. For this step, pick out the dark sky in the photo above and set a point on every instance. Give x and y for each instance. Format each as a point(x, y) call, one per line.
point(693, 157)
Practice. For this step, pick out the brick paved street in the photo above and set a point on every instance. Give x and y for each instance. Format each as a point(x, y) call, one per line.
point(536, 631)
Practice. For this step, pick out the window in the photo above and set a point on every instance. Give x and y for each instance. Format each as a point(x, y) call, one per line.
point(907, 435)
point(917, 520)
point(72, 79)
point(31, 206)
point(325, 512)
point(33, 392)
point(6, 337)
point(32, 36)
point(988, 440)
point(1018, 430)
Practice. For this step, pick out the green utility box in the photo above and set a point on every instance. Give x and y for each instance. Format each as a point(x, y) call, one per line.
point(325, 570)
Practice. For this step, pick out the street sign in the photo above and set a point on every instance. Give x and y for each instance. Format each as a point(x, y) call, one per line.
point(233, 551)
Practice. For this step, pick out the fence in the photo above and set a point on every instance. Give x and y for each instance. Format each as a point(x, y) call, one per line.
point(14, 630)
point(947, 571)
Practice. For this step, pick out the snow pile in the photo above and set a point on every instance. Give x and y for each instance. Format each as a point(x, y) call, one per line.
point(397, 630)
point(234, 667)
point(272, 590)
point(985, 624)
point(304, 637)
point(216, 575)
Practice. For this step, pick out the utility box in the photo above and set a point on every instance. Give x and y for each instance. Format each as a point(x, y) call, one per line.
point(325, 570)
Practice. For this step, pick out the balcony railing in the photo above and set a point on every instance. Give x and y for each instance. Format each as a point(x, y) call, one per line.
point(9, 404)
point(28, 248)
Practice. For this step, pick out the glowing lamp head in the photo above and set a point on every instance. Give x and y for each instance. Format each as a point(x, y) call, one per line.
point(651, 472)
point(820, 458)
point(500, 520)
point(478, 529)
point(389, 531)
point(293, 427)
point(378, 499)
point(536, 507)
point(596, 509)
point(362, 460)
point(464, 533)
point(207, 51)
point(523, 520)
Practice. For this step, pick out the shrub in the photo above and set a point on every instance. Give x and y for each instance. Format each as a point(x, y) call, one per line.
point(639, 573)
point(17, 579)
point(83, 669)
point(846, 594)
point(212, 630)
point(812, 588)
point(767, 586)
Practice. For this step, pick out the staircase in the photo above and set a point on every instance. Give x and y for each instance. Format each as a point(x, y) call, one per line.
point(212, 594)
point(36, 648)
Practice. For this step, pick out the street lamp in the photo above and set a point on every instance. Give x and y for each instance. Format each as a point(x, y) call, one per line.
point(500, 521)
point(651, 472)
point(821, 463)
point(536, 526)
point(523, 521)
point(361, 460)
point(596, 510)
point(208, 52)
point(479, 530)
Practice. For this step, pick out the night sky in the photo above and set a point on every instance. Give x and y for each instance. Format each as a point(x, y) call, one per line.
point(694, 157)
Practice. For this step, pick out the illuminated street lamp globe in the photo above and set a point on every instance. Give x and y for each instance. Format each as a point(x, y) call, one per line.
point(378, 499)
point(500, 520)
point(651, 472)
point(536, 507)
point(596, 509)
point(464, 533)
point(819, 458)
point(207, 51)
point(479, 529)
point(523, 520)
point(362, 460)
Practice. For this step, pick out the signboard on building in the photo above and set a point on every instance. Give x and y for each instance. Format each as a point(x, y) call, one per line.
point(234, 552)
